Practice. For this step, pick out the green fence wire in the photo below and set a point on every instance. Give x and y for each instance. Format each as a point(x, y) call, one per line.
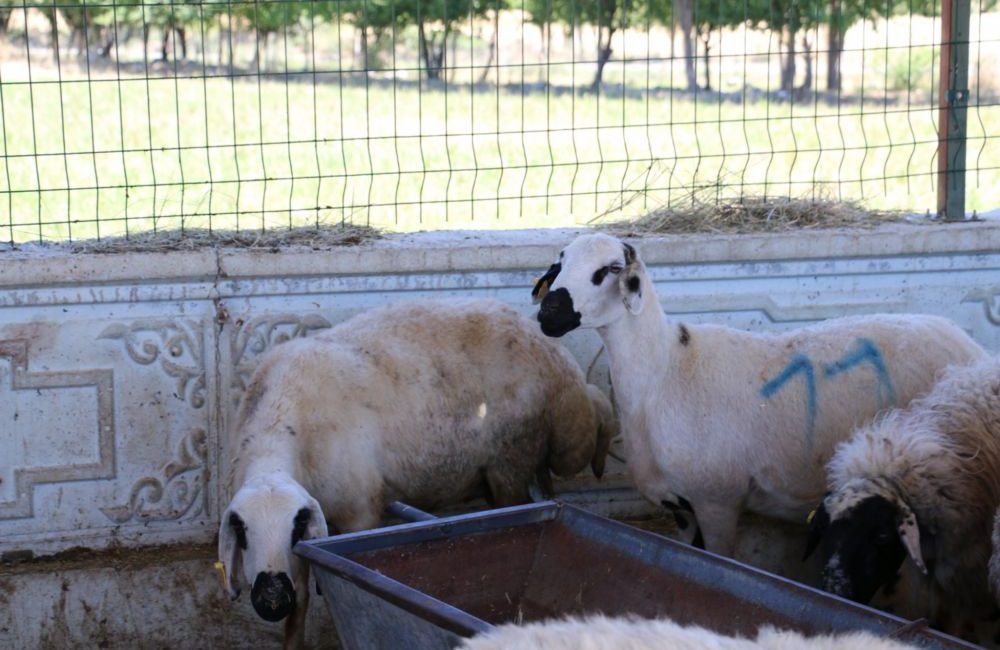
point(118, 117)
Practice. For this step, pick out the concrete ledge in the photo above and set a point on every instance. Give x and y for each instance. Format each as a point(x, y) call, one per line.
point(30, 265)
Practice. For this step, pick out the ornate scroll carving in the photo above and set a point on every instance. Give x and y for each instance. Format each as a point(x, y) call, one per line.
point(179, 494)
point(26, 478)
point(259, 335)
point(177, 346)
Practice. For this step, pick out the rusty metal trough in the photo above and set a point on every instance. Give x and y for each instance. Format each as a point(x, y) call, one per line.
point(431, 583)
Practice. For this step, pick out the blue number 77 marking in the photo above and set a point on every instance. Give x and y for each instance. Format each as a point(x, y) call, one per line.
point(865, 352)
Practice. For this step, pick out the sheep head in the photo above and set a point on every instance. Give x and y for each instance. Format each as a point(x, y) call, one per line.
point(864, 531)
point(596, 280)
point(266, 518)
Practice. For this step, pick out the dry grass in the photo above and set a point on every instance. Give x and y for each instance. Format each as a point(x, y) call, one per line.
point(697, 214)
point(312, 237)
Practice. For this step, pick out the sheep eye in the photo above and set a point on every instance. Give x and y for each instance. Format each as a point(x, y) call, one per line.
point(599, 274)
point(302, 518)
point(240, 529)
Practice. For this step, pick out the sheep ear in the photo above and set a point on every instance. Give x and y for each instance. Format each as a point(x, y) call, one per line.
point(230, 555)
point(818, 521)
point(543, 283)
point(630, 280)
point(909, 533)
point(317, 522)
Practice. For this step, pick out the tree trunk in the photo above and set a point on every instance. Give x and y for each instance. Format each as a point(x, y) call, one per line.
point(835, 37)
point(363, 38)
point(53, 17)
point(684, 10)
point(5, 16)
point(255, 62)
point(164, 44)
point(181, 35)
point(603, 54)
point(807, 82)
point(425, 51)
point(706, 44)
point(109, 43)
point(229, 44)
point(493, 50)
point(788, 67)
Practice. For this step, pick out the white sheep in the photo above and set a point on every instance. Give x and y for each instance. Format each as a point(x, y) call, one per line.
point(923, 482)
point(603, 633)
point(719, 420)
point(429, 403)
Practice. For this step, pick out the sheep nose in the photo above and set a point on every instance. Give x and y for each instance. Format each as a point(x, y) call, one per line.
point(556, 314)
point(273, 596)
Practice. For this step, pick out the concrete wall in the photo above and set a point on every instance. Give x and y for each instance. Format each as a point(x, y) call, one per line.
point(119, 376)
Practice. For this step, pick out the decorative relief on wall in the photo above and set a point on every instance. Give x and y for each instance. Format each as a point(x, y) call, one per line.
point(176, 346)
point(21, 379)
point(180, 493)
point(258, 335)
point(991, 304)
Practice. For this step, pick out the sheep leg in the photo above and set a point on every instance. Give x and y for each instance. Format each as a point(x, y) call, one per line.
point(295, 624)
point(504, 490)
point(718, 526)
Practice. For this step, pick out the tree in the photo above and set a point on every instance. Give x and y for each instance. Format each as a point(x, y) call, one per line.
point(607, 16)
point(267, 18)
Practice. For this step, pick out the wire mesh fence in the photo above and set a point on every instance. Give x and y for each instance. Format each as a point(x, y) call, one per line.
point(122, 116)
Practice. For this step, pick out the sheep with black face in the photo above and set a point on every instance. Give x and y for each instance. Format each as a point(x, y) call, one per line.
point(918, 488)
point(718, 420)
point(428, 402)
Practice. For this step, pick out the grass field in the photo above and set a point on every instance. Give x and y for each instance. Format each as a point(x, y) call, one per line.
point(255, 152)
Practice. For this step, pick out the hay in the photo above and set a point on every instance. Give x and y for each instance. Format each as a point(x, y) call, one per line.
point(312, 237)
point(750, 215)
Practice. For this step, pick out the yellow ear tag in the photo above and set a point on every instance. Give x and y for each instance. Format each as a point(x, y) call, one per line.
point(223, 576)
point(542, 289)
point(809, 518)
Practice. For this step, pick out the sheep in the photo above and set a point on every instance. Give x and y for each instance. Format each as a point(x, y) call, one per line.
point(921, 482)
point(429, 403)
point(718, 420)
point(603, 633)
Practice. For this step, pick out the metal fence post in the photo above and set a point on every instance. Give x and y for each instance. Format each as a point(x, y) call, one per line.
point(953, 108)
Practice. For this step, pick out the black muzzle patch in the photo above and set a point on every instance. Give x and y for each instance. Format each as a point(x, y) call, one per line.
point(272, 596)
point(556, 314)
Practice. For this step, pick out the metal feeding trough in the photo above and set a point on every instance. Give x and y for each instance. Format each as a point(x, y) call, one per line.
point(431, 583)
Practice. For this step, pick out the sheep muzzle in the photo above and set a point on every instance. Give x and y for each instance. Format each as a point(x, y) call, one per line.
point(556, 314)
point(273, 596)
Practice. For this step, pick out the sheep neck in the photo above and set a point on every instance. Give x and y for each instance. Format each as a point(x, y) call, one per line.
point(275, 460)
point(633, 342)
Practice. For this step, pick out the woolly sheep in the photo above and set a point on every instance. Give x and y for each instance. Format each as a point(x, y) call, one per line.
point(428, 403)
point(922, 482)
point(718, 420)
point(603, 633)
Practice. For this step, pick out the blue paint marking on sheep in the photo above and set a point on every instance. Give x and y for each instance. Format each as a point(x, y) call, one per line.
point(865, 352)
point(800, 364)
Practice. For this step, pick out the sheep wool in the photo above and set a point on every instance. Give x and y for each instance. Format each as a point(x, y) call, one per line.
point(604, 633)
point(938, 458)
